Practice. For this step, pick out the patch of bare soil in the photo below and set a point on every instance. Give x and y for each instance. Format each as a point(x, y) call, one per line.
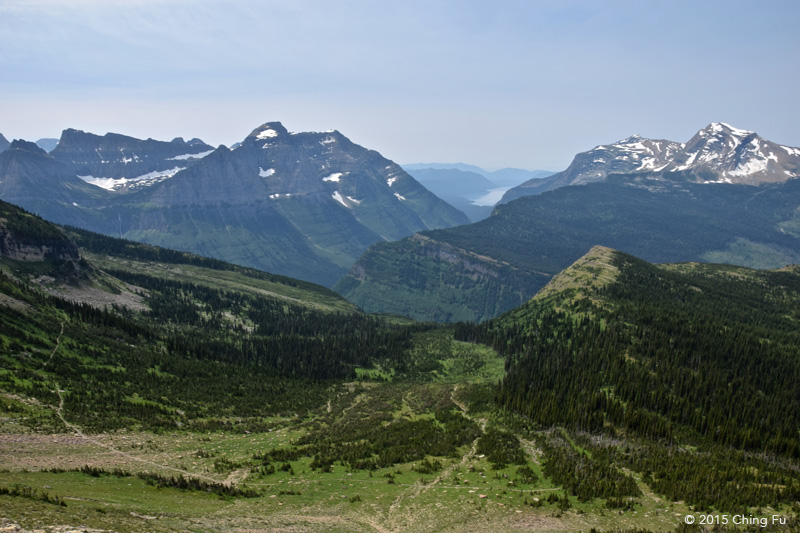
point(8, 301)
point(97, 297)
point(12, 527)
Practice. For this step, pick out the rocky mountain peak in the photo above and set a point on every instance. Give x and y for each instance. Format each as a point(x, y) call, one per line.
point(635, 138)
point(267, 132)
point(718, 153)
point(122, 163)
point(734, 155)
point(71, 136)
point(725, 129)
point(718, 137)
point(4, 144)
point(26, 146)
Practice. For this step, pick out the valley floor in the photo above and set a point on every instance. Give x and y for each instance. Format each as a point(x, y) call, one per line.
point(102, 481)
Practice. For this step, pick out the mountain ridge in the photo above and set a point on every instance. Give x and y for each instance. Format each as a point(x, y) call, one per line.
point(535, 237)
point(718, 153)
point(304, 204)
point(120, 163)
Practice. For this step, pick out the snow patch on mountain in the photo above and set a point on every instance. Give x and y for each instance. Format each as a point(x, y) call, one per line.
point(115, 184)
point(399, 196)
point(720, 127)
point(334, 177)
point(752, 166)
point(127, 160)
point(267, 133)
point(199, 155)
point(723, 179)
point(791, 151)
point(338, 197)
point(266, 173)
point(688, 162)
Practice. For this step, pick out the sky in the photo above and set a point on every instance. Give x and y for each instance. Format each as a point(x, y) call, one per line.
point(506, 83)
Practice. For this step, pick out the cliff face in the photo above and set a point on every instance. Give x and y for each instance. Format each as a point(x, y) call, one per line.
point(13, 247)
point(26, 237)
point(122, 163)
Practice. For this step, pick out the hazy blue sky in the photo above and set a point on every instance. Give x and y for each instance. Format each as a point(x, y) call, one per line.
point(502, 83)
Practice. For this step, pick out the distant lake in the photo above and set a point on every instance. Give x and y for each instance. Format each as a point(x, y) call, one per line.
point(491, 197)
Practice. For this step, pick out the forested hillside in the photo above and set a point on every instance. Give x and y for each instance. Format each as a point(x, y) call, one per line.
point(476, 272)
point(674, 357)
point(158, 364)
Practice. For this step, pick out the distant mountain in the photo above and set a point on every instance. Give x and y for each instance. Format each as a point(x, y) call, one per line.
point(477, 271)
point(305, 205)
point(504, 177)
point(118, 162)
point(444, 180)
point(719, 153)
point(39, 183)
point(459, 188)
point(511, 177)
point(47, 144)
point(445, 166)
point(472, 191)
point(4, 144)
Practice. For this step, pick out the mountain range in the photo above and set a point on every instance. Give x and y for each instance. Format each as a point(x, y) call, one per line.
point(726, 196)
point(718, 153)
point(305, 204)
point(318, 207)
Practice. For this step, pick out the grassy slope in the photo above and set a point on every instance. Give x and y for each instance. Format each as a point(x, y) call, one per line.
point(107, 252)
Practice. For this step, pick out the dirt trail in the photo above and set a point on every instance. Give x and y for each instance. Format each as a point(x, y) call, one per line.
point(534, 452)
point(236, 476)
point(396, 517)
point(58, 344)
point(79, 432)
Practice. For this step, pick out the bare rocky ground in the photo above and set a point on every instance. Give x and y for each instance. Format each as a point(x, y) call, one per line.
point(96, 297)
point(9, 526)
